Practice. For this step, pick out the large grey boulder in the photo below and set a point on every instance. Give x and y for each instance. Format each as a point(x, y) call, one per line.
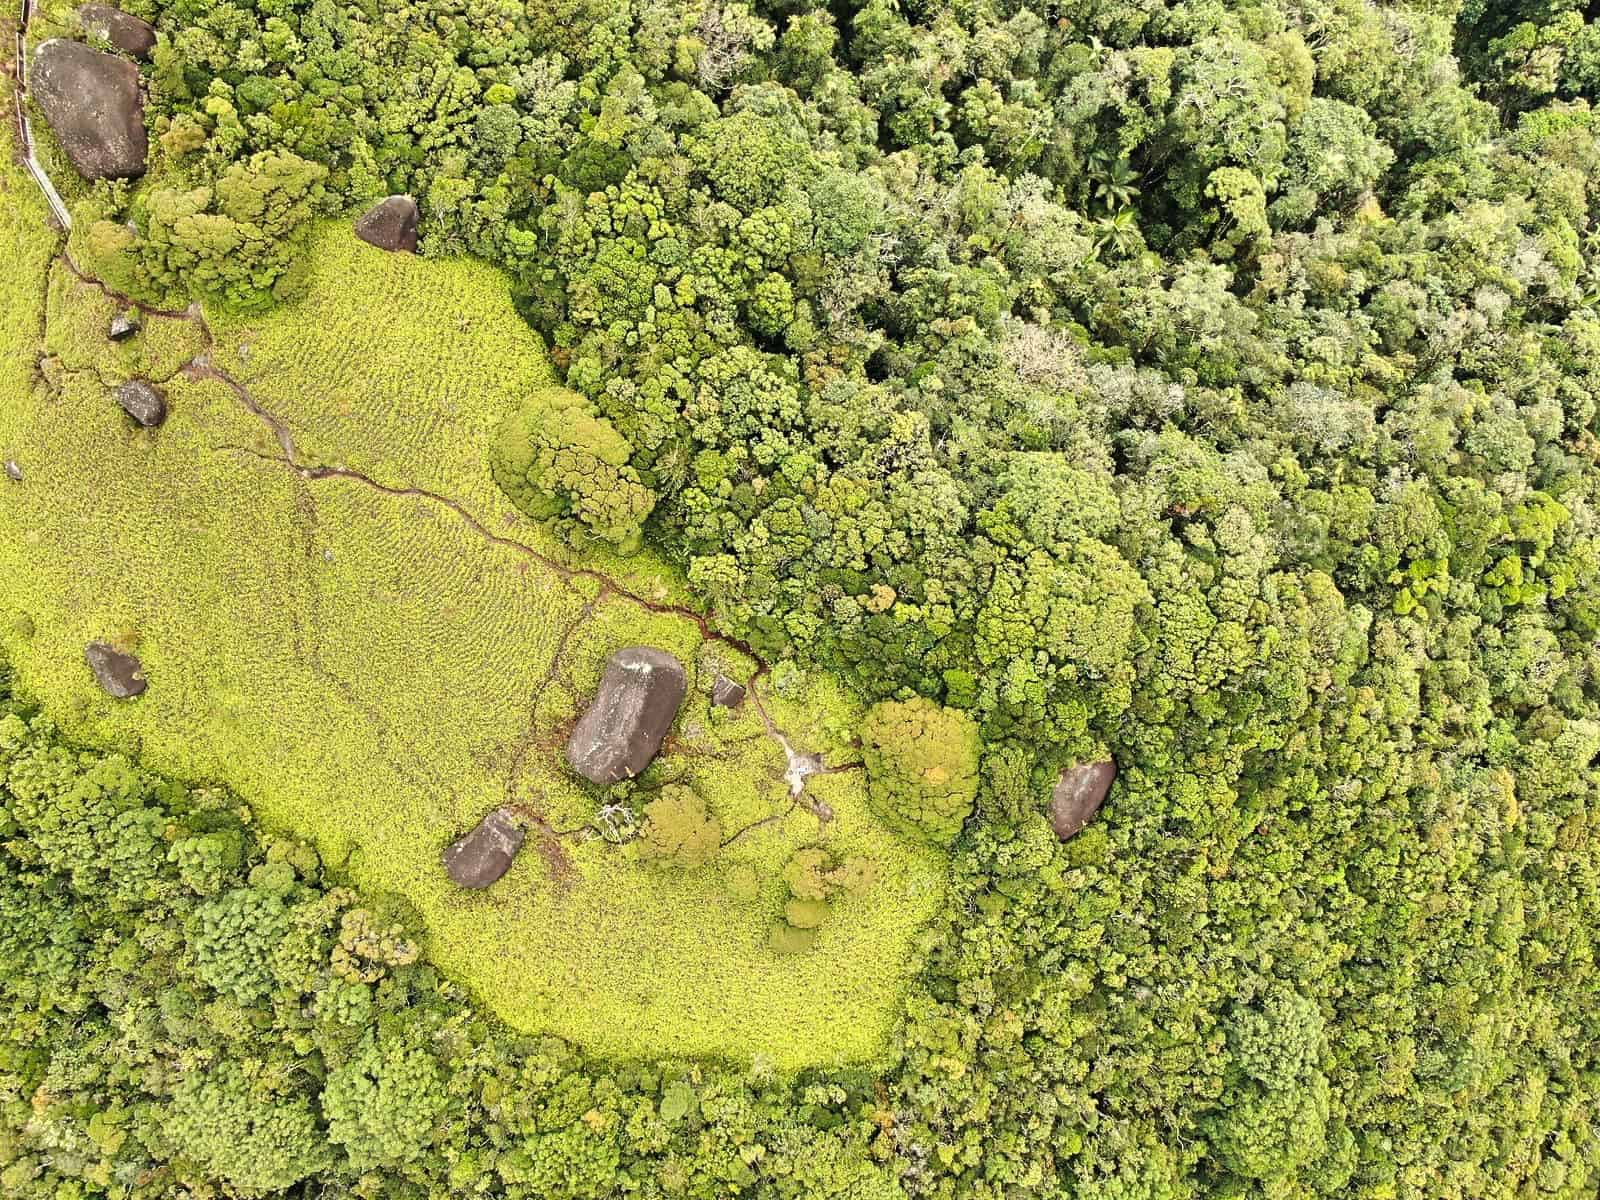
point(13, 471)
point(637, 702)
point(1078, 795)
point(143, 402)
point(92, 102)
point(390, 224)
point(122, 30)
point(485, 854)
point(121, 675)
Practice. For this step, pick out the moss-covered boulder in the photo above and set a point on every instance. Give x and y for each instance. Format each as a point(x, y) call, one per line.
point(788, 939)
point(805, 914)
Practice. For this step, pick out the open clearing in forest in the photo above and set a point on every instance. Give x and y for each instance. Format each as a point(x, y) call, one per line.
point(377, 649)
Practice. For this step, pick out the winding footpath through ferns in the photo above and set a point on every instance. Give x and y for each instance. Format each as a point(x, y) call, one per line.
point(19, 95)
point(799, 765)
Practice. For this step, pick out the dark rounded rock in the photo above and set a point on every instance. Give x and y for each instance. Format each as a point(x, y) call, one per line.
point(390, 224)
point(1078, 795)
point(92, 102)
point(485, 854)
point(143, 402)
point(123, 327)
point(13, 472)
point(123, 30)
point(121, 675)
point(725, 693)
point(634, 708)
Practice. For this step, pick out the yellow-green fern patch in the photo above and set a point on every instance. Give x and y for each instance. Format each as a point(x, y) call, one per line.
point(374, 649)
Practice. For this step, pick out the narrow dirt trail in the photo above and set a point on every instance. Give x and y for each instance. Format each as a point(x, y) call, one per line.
point(799, 765)
point(19, 95)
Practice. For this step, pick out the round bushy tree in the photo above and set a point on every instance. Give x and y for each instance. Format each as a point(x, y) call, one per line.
point(922, 767)
point(560, 461)
point(679, 829)
point(238, 1132)
point(383, 1103)
point(234, 939)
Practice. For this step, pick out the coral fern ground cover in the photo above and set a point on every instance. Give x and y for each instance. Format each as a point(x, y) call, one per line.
point(374, 669)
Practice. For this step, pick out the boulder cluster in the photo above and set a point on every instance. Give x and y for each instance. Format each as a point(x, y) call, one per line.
point(142, 400)
point(616, 738)
point(91, 98)
point(119, 673)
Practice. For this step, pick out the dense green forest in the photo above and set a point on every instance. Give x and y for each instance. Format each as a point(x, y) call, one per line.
point(1209, 386)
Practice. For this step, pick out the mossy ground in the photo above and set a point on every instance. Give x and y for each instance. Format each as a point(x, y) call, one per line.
point(375, 671)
